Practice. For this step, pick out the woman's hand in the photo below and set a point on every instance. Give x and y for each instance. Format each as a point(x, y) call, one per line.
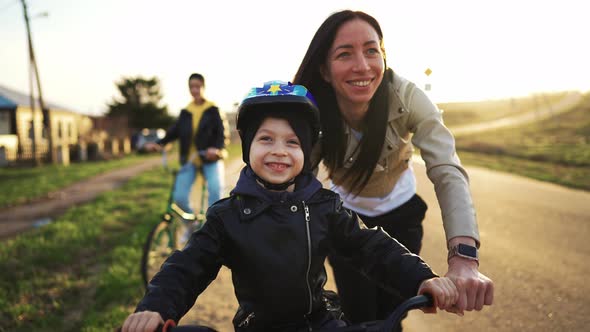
point(475, 289)
point(143, 321)
point(443, 291)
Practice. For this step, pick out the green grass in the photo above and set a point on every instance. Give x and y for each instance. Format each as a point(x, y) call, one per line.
point(20, 185)
point(81, 272)
point(457, 114)
point(569, 176)
point(555, 150)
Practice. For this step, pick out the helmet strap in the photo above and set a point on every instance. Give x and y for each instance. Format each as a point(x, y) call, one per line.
point(273, 186)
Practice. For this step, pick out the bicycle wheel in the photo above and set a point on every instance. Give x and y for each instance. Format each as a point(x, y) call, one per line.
point(159, 245)
point(168, 235)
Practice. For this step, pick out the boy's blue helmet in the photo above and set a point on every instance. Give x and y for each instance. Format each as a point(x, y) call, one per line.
point(286, 97)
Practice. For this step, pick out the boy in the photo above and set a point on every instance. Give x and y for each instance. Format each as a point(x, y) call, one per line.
point(203, 133)
point(275, 231)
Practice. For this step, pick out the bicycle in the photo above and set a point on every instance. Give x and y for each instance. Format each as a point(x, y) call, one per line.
point(171, 232)
point(388, 325)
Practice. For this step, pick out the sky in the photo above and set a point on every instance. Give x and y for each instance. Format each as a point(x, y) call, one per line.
point(476, 49)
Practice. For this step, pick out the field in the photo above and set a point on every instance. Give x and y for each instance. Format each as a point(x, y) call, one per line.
point(458, 114)
point(555, 149)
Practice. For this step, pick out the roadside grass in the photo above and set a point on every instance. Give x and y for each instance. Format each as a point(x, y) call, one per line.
point(20, 185)
point(569, 176)
point(81, 272)
point(555, 150)
point(461, 113)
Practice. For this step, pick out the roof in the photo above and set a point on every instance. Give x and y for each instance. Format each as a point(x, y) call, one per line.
point(10, 98)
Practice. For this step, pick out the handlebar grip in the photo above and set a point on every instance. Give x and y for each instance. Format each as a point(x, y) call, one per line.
point(167, 327)
point(419, 301)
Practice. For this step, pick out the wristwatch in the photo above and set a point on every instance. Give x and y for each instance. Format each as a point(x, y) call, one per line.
point(465, 251)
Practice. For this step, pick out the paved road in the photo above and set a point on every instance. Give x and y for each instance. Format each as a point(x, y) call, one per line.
point(534, 246)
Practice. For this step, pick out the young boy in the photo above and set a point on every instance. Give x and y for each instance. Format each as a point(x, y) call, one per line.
point(275, 231)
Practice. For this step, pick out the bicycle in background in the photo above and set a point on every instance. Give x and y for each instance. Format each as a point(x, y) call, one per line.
point(172, 231)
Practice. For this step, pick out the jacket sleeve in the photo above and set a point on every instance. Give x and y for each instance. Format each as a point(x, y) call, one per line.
point(186, 274)
point(377, 255)
point(222, 129)
point(443, 167)
point(172, 132)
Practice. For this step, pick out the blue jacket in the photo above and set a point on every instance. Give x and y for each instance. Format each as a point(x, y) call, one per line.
point(275, 244)
point(210, 132)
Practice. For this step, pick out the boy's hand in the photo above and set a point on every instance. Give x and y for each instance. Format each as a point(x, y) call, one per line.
point(152, 147)
point(443, 291)
point(143, 321)
point(212, 154)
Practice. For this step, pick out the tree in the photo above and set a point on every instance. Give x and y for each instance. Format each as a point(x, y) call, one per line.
point(139, 104)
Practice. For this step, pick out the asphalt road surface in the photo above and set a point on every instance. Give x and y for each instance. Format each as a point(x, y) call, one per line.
point(535, 247)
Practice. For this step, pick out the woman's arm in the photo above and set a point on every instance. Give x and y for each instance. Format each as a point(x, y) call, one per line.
point(451, 184)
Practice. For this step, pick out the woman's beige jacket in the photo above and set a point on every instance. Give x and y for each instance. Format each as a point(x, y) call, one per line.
point(415, 120)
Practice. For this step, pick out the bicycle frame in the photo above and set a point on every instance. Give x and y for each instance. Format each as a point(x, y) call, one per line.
point(172, 208)
point(172, 231)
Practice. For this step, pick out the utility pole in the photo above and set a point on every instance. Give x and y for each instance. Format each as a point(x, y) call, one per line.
point(44, 111)
point(36, 160)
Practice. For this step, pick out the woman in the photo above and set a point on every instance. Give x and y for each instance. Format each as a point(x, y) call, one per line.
point(370, 119)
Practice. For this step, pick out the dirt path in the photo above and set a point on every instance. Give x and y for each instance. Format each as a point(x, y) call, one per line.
point(21, 218)
point(566, 104)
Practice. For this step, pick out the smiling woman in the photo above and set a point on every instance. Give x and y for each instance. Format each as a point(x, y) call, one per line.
point(371, 118)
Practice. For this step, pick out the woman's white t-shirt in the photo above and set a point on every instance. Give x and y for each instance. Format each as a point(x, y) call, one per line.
point(404, 189)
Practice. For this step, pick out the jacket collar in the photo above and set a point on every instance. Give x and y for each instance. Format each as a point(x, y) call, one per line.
point(253, 199)
point(396, 106)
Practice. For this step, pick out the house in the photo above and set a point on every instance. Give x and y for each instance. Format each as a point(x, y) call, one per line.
point(71, 131)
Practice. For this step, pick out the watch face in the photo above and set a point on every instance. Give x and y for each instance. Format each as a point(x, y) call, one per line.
point(467, 250)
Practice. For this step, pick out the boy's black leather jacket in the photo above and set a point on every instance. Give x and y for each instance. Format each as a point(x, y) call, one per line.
point(275, 244)
point(211, 132)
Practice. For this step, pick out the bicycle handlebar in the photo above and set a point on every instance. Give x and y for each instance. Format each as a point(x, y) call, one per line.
point(416, 302)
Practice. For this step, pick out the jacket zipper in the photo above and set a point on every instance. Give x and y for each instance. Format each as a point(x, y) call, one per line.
point(246, 321)
point(307, 220)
